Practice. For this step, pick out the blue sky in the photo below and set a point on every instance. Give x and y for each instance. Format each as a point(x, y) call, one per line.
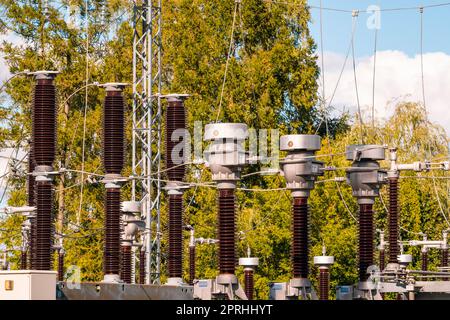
point(399, 29)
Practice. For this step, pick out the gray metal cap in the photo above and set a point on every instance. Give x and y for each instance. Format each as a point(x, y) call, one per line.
point(248, 262)
point(357, 152)
point(308, 142)
point(235, 131)
point(323, 260)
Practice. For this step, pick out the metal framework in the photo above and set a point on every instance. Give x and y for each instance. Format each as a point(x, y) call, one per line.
point(146, 186)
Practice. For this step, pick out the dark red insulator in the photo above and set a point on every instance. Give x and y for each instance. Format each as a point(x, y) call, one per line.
point(226, 231)
point(175, 236)
point(111, 255)
point(382, 259)
point(248, 275)
point(365, 240)
point(191, 264)
point(175, 120)
point(44, 218)
point(142, 266)
point(393, 220)
point(23, 260)
point(125, 273)
point(425, 261)
point(60, 266)
point(113, 132)
point(444, 260)
point(300, 230)
point(44, 122)
point(324, 283)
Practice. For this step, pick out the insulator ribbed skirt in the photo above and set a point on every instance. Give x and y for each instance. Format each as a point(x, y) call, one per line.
point(125, 273)
point(113, 132)
point(249, 284)
point(23, 260)
point(30, 178)
point(142, 266)
point(175, 120)
point(32, 242)
point(365, 240)
point(111, 255)
point(44, 234)
point(382, 260)
point(226, 231)
point(191, 264)
point(424, 261)
point(393, 220)
point(300, 231)
point(324, 283)
point(44, 122)
point(444, 260)
point(60, 266)
point(175, 236)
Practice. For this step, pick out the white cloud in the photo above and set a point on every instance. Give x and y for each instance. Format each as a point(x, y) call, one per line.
point(398, 76)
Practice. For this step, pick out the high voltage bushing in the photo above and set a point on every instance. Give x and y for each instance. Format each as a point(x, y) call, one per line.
point(249, 265)
point(365, 178)
point(61, 254)
point(300, 170)
point(324, 263)
point(176, 143)
point(226, 156)
point(113, 161)
point(131, 211)
point(44, 147)
point(31, 203)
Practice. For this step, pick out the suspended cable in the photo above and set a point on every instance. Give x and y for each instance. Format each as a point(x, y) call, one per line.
point(85, 111)
point(228, 59)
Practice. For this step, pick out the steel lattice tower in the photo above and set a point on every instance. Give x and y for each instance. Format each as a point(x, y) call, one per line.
point(147, 126)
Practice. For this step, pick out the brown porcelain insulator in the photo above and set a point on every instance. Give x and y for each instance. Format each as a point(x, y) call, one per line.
point(365, 240)
point(393, 220)
point(324, 283)
point(44, 235)
point(111, 258)
point(175, 236)
point(249, 284)
point(113, 132)
point(226, 231)
point(175, 119)
point(142, 266)
point(60, 266)
point(125, 274)
point(44, 122)
point(23, 260)
point(382, 259)
point(191, 264)
point(425, 261)
point(30, 178)
point(300, 230)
